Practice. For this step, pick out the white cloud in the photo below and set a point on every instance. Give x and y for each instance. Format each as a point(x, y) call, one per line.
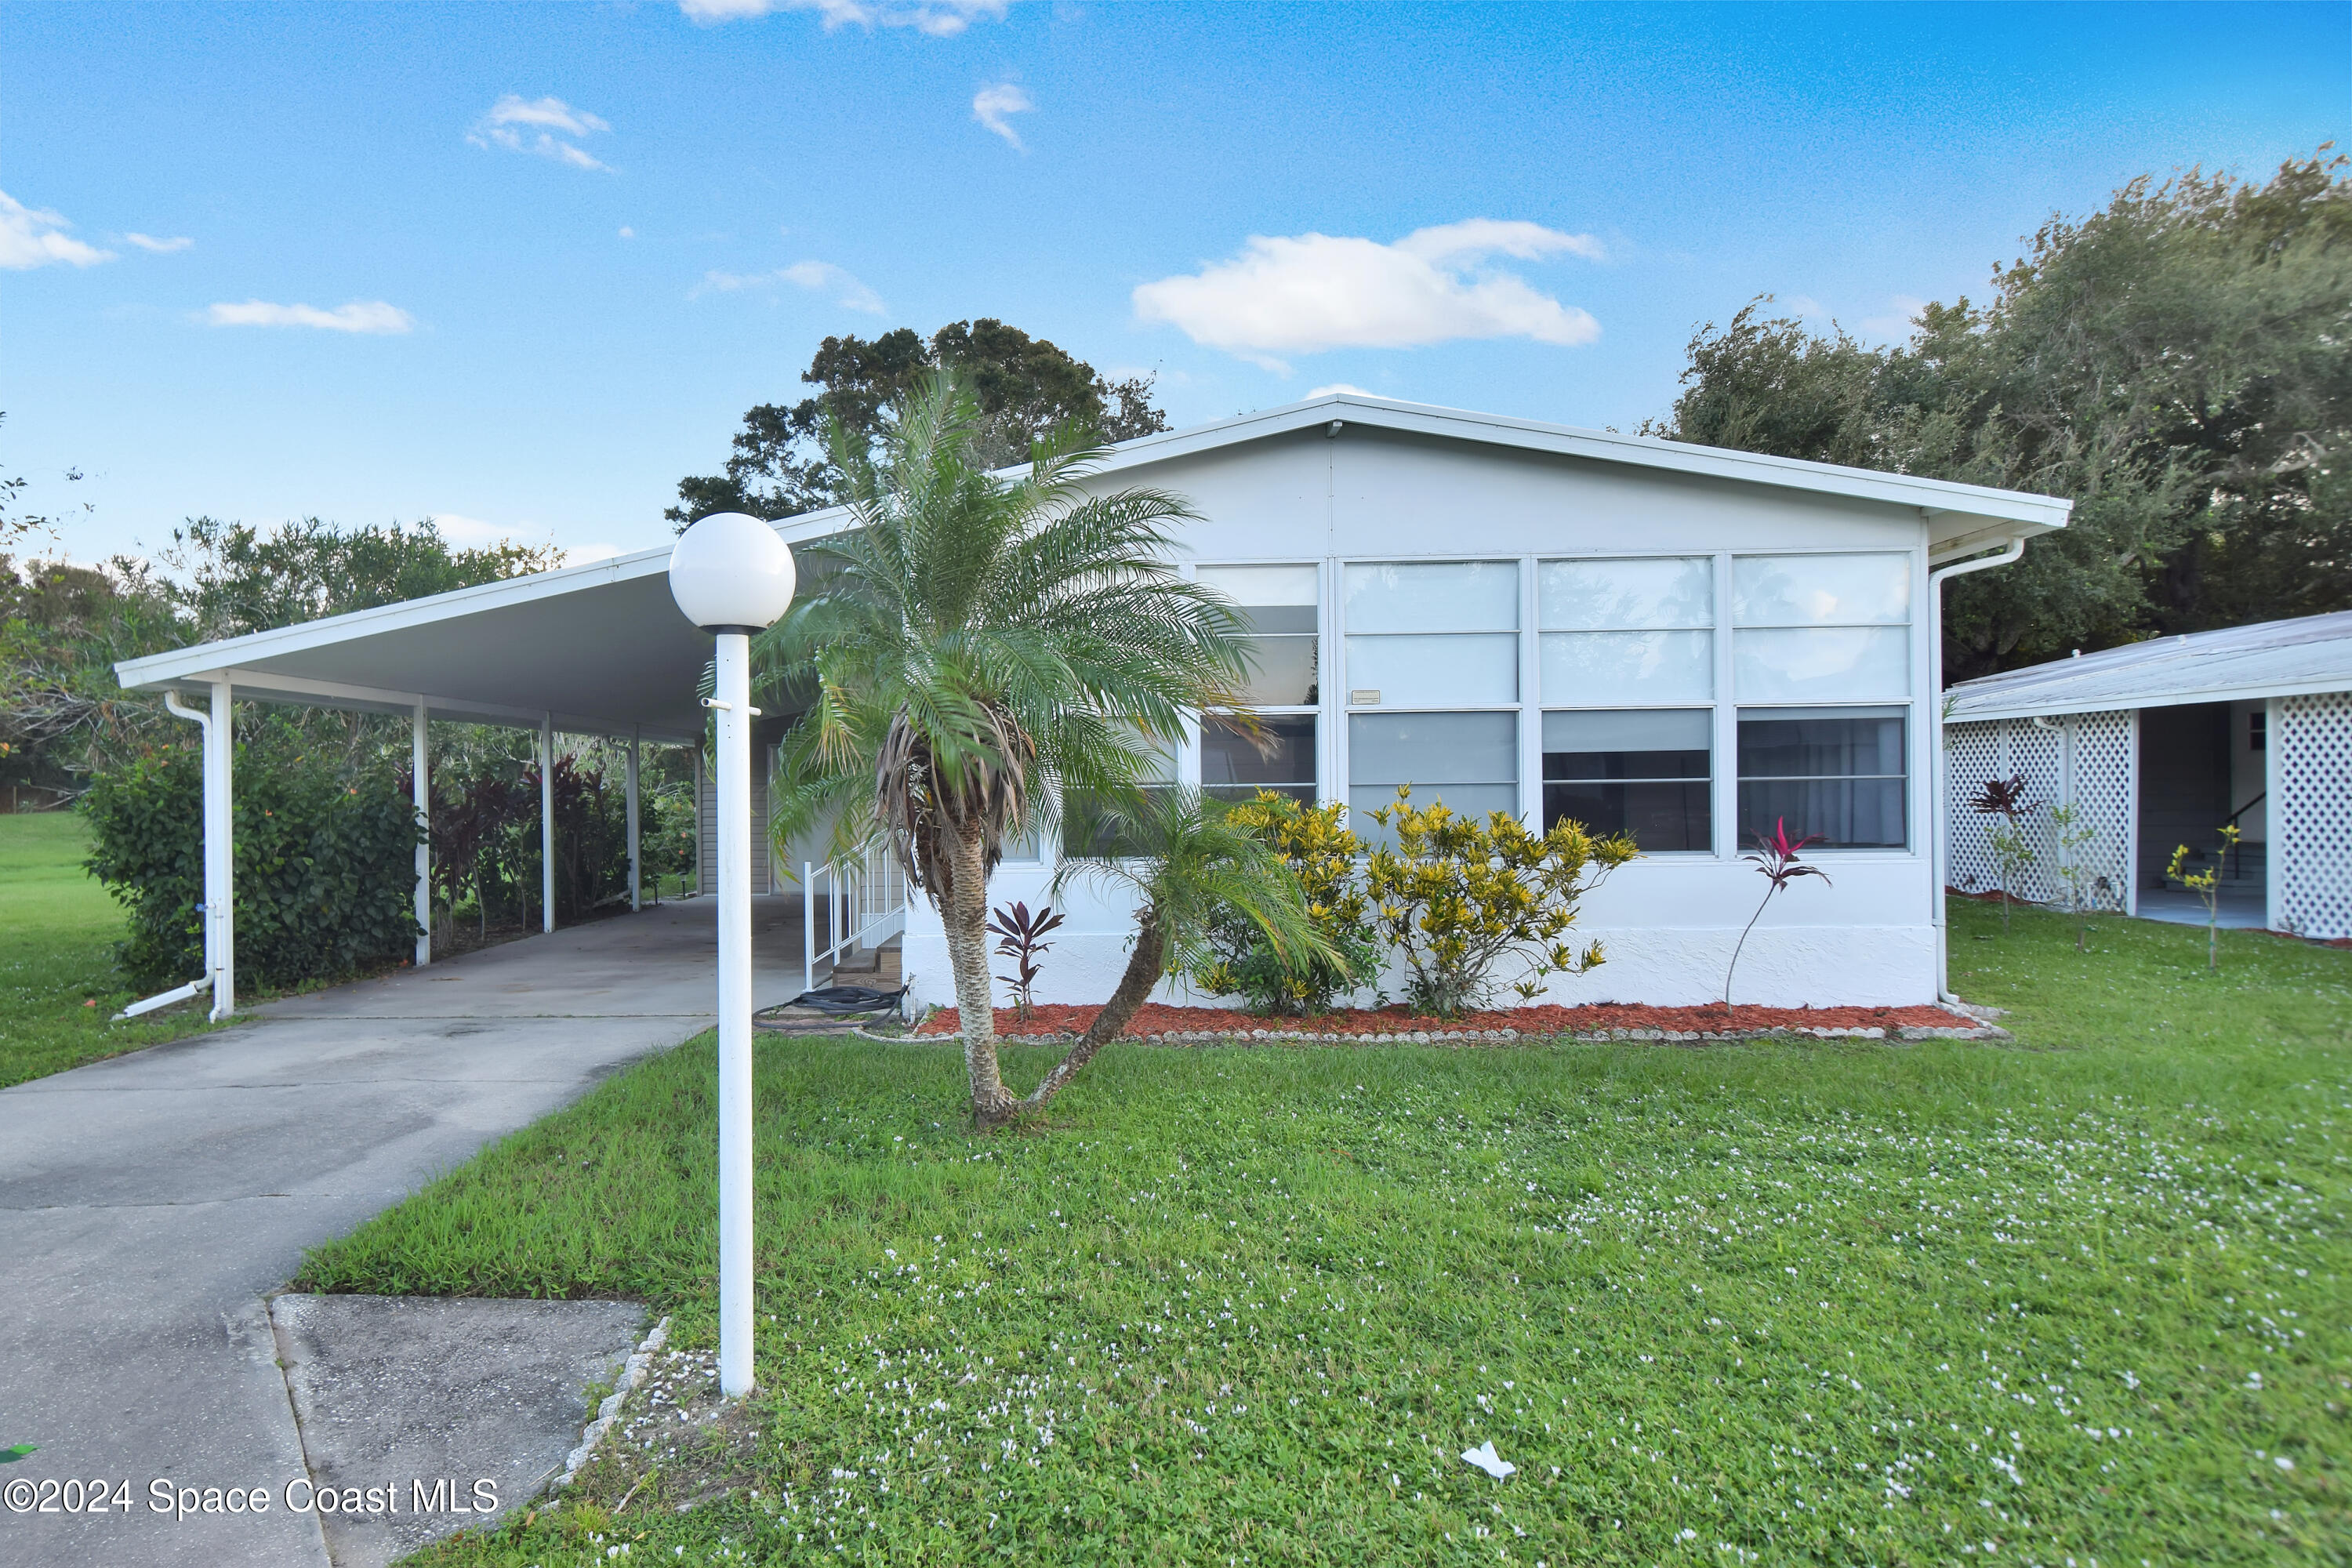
point(469, 531)
point(36, 236)
point(990, 106)
point(1310, 292)
point(473, 534)
point(160, 246)
point(1339, 386)
point(367, 316)
point(628, 233)
point(539, 126)
point(1898, 324)
point(817, 277)
point(939, 19)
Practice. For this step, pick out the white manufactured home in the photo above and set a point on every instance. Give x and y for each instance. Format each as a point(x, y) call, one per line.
point(1687, 644)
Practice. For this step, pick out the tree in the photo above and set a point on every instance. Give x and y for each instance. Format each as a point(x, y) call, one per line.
point(63, 626)
point(783, 463)
point(235, 579)
point(2178, 364)
point(1199, 869)
point(16, 523)
point(972, 650)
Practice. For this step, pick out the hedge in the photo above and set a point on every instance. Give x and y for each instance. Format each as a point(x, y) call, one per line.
point(325, 873)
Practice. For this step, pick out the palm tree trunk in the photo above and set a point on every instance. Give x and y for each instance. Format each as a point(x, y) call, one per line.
point(1144, 967)
point(965, 917)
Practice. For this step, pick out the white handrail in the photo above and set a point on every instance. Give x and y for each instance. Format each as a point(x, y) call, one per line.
point(864, 904)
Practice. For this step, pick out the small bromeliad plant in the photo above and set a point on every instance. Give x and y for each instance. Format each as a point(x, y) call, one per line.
point(1314, 842)
point(2010, 843)
point(1021, 938)
point(2207, 886)
point(1456, 897)
point(1776, 858)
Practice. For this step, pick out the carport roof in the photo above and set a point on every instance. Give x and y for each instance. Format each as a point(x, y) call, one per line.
point(2270, 659)
point(603, 650)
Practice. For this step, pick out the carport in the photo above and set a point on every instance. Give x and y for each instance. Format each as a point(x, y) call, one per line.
point(599, 649)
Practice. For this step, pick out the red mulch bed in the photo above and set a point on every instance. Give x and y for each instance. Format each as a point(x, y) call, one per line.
point(1156, 1018)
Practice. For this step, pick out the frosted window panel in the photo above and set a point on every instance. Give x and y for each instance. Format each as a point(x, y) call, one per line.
point(1282, 672)
point(1828, 664)
point(1608, 596)
point(1676, 730)
point(1435, 671)
point(1474, 801)
point(1820, 590)
point(1251, 586)
point(1385, 750)
point(1628, 667)
point(1433, 596)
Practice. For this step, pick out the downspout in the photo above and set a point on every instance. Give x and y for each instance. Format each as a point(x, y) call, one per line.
point(1937, 783)
point(203, 721)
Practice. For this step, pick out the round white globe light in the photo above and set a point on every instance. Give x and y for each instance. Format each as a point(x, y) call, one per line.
point(731, 569)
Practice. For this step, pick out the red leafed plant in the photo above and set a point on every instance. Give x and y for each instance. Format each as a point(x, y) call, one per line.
point(1017, 931)
point(1776, 858)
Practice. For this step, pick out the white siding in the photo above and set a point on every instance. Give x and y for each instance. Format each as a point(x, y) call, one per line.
point(1669, 921)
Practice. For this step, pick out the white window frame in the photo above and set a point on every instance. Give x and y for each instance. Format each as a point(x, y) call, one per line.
point(1188, 765)
point(1338, 694)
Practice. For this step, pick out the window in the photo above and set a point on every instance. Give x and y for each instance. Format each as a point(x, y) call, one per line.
point(1088, 832)
point(1820, 628)
point(1280, 605)
point(1627, 631)
point(1470, 761)
point(1646, 774)
point(2258, 730)
point(1835, 772)
point(1280, 757)
point(1433, 634)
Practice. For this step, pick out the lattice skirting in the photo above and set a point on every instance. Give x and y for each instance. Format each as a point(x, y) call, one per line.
point(2090, 761)
point(2311, 814)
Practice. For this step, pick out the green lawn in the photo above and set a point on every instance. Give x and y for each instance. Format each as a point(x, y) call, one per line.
point(2064, 1301)
point(58, 930)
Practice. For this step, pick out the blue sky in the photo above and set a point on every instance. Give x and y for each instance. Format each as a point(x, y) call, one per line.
point(522, 267)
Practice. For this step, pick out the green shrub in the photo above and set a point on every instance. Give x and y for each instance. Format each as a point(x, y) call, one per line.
point(1456, 896)
point(325, 867)
point(1321, 853)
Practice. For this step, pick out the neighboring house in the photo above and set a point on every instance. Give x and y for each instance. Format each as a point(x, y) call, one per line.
point(1685, 643)
point(2158, 744)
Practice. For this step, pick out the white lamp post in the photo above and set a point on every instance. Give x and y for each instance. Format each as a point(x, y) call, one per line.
point(733, 576)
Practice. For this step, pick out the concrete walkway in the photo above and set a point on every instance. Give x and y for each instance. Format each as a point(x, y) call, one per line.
point(2240, 910)
point(147, 1203)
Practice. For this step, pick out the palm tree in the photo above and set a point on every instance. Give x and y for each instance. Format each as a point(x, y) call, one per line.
point(1196, 863)
point(973, 650)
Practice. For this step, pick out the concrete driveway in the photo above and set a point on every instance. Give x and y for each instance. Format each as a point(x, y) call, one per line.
point(148, 1202)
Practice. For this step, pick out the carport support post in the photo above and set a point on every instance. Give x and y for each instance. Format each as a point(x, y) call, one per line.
point(635, 881)
point(421, 790)
point(732, 703)
point(547, 822)
point(220, 851)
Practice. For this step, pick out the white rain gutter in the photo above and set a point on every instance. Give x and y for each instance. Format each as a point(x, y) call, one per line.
point(193, 987)
point(1937, 783)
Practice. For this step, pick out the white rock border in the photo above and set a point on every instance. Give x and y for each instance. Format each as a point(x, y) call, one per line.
point(633, 1372)
point(1441, 1036)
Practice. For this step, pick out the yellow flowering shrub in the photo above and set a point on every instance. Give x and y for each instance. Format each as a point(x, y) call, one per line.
point(1456, 897)
point(1317, 846)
